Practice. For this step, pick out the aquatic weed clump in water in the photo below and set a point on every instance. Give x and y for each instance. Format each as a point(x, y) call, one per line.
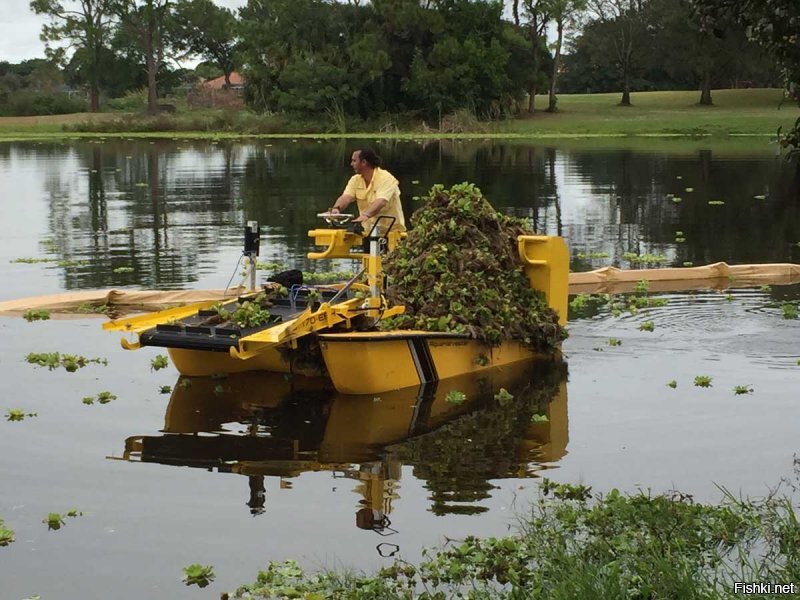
point(459, 271)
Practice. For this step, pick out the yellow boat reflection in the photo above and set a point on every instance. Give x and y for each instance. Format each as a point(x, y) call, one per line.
point(262, 425)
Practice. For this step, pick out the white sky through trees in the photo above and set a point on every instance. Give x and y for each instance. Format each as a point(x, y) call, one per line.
point(20, 29)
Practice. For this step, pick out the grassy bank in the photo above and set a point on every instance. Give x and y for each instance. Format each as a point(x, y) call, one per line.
point(750, 112)
point(578, 545)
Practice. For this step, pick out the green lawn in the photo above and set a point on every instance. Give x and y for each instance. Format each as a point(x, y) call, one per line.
point(735, 112)
point(745, 112)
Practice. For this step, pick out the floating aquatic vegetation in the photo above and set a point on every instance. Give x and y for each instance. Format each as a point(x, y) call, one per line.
point(36, 314)
point(677, 199)
point(6, 534)
point(647, 326)
point(539, 419)
point(165, 389)
point(789, 310)
point(54, 521)
point(503, 396)
point(102, 398)
point(119, 270)
point(269, 266)
point(89, 308)
point(105, 397)
point(455, 397)
point(688, 263)
point(326, 277)
point(17, 414)
point(614, 342)
point(198, 575)
point(742, 389)
point(702, 381)
point(587, 305)
point(70, 362)
point(459, 271)
point(765, 288)
point(27, 260)
point(591, 254)
point(644, 259)
point(672, 384)
point(716, 202)
point(690, 190)
point(760, 197)
point(159, 362)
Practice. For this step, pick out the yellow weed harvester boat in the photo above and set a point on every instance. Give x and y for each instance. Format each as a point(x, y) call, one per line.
point(203, 339)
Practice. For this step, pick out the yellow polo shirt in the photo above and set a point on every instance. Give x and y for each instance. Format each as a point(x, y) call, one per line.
point(383, 186)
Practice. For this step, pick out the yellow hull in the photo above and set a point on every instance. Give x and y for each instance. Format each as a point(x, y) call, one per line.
point(202, 363)
point(376, 362)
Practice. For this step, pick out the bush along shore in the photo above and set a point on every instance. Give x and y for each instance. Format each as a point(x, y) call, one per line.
point(579, 544)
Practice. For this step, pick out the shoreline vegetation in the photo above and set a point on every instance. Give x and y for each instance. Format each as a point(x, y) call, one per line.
point(673, 114)
point(574, 543)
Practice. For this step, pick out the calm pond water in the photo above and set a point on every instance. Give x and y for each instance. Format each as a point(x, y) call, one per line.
point(235, 472)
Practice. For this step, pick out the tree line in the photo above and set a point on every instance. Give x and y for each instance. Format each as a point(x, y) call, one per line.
point(424, 57)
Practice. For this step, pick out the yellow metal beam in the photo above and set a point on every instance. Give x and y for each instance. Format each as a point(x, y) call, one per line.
point(150, 320)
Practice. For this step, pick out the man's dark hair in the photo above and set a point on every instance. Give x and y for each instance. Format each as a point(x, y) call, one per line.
point(368, 155)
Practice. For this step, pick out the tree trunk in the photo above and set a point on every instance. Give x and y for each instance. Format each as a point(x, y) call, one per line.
point(534, 85)
point(626, 88)
point(551, 105)
point(94, 96)
point(150, 58)
point(705, 89)
point(515, 12)
point(227, 79)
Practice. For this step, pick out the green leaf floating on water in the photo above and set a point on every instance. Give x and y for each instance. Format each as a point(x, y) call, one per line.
point(198, 575)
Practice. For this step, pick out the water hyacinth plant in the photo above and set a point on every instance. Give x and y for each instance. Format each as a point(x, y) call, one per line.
point(459, 271)
point(198, 575)
point(702, 381)
point(159, 362)
point(6, 534)
point(70, 362)
point(579, 544)
point(455, 397)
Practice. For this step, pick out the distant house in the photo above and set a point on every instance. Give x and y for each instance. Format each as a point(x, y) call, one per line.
point(237, 83)
point(215, 93)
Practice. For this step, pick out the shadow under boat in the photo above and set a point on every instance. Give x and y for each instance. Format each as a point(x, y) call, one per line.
point(457, 434)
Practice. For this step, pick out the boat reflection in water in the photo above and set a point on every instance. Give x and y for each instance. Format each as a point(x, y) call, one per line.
point(270, 425)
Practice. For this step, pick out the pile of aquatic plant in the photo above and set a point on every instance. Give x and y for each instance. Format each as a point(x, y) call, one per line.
point(459, 271)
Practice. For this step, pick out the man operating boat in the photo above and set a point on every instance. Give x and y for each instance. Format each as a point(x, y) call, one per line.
point(375, 190)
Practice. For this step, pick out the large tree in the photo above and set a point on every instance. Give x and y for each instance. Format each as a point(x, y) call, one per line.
point(626, 32)
point(146, 23)
point(537, 14)
point(204, 29)
point(85, 25)
point(775, 25)
point(563, 13)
